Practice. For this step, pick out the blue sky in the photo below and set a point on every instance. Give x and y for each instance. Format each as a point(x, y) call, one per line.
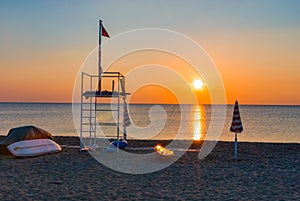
point(72, 22)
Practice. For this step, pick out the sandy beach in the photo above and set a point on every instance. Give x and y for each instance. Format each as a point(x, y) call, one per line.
point(264, 171)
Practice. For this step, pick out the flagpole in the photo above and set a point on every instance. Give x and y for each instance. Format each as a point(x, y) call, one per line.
point(100, 70)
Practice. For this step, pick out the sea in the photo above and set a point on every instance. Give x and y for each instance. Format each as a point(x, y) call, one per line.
point(261, 123)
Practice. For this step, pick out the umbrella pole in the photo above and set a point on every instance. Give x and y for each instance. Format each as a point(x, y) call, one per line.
point(235, 146)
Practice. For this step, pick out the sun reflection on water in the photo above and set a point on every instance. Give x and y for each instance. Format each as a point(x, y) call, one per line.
point(198, 122)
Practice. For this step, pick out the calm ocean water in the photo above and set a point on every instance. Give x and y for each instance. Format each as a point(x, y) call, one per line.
point(261, 123)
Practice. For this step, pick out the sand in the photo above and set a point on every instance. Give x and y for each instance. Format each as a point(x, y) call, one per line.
point(262, 172)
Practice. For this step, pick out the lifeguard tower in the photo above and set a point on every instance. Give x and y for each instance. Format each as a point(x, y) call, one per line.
point(100, 98)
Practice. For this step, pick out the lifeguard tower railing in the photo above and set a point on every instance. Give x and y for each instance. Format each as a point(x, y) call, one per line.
point(101, 105)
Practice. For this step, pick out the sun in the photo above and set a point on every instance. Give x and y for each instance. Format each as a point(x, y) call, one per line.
point(198, 84)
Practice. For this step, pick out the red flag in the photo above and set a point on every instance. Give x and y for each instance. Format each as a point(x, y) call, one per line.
point(104, 32)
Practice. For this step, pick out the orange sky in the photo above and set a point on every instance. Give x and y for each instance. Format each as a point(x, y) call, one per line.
point(156, 76)
point(261, 78)
point(153, 94)
point(49, 76)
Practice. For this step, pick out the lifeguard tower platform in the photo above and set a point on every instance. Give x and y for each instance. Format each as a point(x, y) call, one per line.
point(103, 108)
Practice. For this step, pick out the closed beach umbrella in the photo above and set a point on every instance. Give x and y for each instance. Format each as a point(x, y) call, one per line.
point(126, 117)
point(236, 125)
point(126, 120)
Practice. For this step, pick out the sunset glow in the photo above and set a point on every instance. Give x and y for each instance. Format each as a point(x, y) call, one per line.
point(254, 45)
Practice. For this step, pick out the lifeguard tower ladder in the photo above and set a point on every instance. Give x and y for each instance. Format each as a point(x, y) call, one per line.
point(92, 107)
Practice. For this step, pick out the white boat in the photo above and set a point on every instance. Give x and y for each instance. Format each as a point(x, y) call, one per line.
point(37, 147)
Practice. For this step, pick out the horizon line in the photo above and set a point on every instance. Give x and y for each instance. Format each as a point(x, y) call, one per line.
point(246, 104)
